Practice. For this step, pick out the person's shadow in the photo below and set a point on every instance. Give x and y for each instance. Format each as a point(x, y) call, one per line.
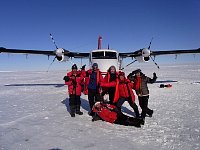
point(84, 104)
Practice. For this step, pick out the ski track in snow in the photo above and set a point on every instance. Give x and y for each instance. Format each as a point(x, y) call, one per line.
point(33, 114)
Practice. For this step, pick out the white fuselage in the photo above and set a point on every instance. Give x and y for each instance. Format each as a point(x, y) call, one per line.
point(104, 58)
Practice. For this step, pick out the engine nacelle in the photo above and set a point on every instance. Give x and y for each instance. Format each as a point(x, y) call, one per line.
point(146, 52)
point(60, 55)
point(62, 58)
point(142, 59)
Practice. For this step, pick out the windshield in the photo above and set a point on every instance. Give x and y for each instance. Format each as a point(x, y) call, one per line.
point(100, 55)
point(111, 55)
point(97, 55)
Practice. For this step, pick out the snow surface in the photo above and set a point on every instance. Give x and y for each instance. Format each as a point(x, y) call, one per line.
point(34, 114)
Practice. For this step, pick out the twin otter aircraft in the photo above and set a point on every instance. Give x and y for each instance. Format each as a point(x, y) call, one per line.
point(104, 57)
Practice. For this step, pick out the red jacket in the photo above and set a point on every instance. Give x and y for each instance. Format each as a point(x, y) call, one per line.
point(105, 112)
point(87, 79)
point(74, 86)
point(107, 84)
point(122, 89)
point(125, 89)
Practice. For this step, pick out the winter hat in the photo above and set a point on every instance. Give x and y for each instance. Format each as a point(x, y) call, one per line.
point(95, 64)
point(121, 73)
point(74, 66)
point(136, 71)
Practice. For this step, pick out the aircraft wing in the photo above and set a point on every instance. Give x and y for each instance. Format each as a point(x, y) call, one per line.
point(155, 53)
point(44, 52)
point(161, 52)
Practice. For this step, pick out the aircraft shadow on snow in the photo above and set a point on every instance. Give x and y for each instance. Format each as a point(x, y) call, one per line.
point(85, 106)
point(197, 82)
point(55, 85)
point(166, 81)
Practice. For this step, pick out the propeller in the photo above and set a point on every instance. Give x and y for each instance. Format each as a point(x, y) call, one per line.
point(154, 62)
point(151, 56)
point(150, 43)
point(56, 48)
point(129, 64)
point(53, 41)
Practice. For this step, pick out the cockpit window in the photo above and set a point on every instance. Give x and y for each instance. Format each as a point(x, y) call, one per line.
point(100, 55)
point(111, 55)
point(97, 55)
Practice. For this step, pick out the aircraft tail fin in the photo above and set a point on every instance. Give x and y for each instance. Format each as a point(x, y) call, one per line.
point(99, 42)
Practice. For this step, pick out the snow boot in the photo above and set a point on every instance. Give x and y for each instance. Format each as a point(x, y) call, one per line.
point(78, 110)
point(95, 117)
point(133, 122)
point(137, 114)
point(142, 120)
point(91, 113)
point(72, 111)
point(150, 113)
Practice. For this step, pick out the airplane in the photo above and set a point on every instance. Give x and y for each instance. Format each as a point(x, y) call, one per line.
point(103, 57)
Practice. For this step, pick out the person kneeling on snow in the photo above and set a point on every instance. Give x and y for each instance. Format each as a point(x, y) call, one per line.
point(74, 81)
point(110, 113)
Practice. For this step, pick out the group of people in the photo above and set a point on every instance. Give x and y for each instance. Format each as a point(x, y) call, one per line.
point(106, 95)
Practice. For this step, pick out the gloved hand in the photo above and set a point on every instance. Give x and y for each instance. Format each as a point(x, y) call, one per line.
point(83, 67)
point(154, 75)
point(130, 77)
point(66, 78)
point(133, 73)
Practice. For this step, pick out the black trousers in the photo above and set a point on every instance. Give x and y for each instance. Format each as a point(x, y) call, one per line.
point(74, 100)
point(74, 103)
point(126, 120)
point(93, 97)
point(111, 93)
point(143, 102)
point(133, 105)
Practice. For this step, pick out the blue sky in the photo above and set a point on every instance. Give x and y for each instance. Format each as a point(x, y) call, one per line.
point(127, 25)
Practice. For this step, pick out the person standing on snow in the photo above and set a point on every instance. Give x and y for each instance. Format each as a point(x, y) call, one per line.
point(74, 79)
point(92, 85)
point(141, 88)
point(110, 77)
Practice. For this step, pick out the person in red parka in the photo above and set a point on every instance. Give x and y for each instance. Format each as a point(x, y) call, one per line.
point(123, 92)
point(73, 80)
point(111, 77)
point(126, 93)
point(110, 113)
point(92, 85)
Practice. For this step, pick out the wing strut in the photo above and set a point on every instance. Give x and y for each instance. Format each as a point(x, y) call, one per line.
point(129, 64)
